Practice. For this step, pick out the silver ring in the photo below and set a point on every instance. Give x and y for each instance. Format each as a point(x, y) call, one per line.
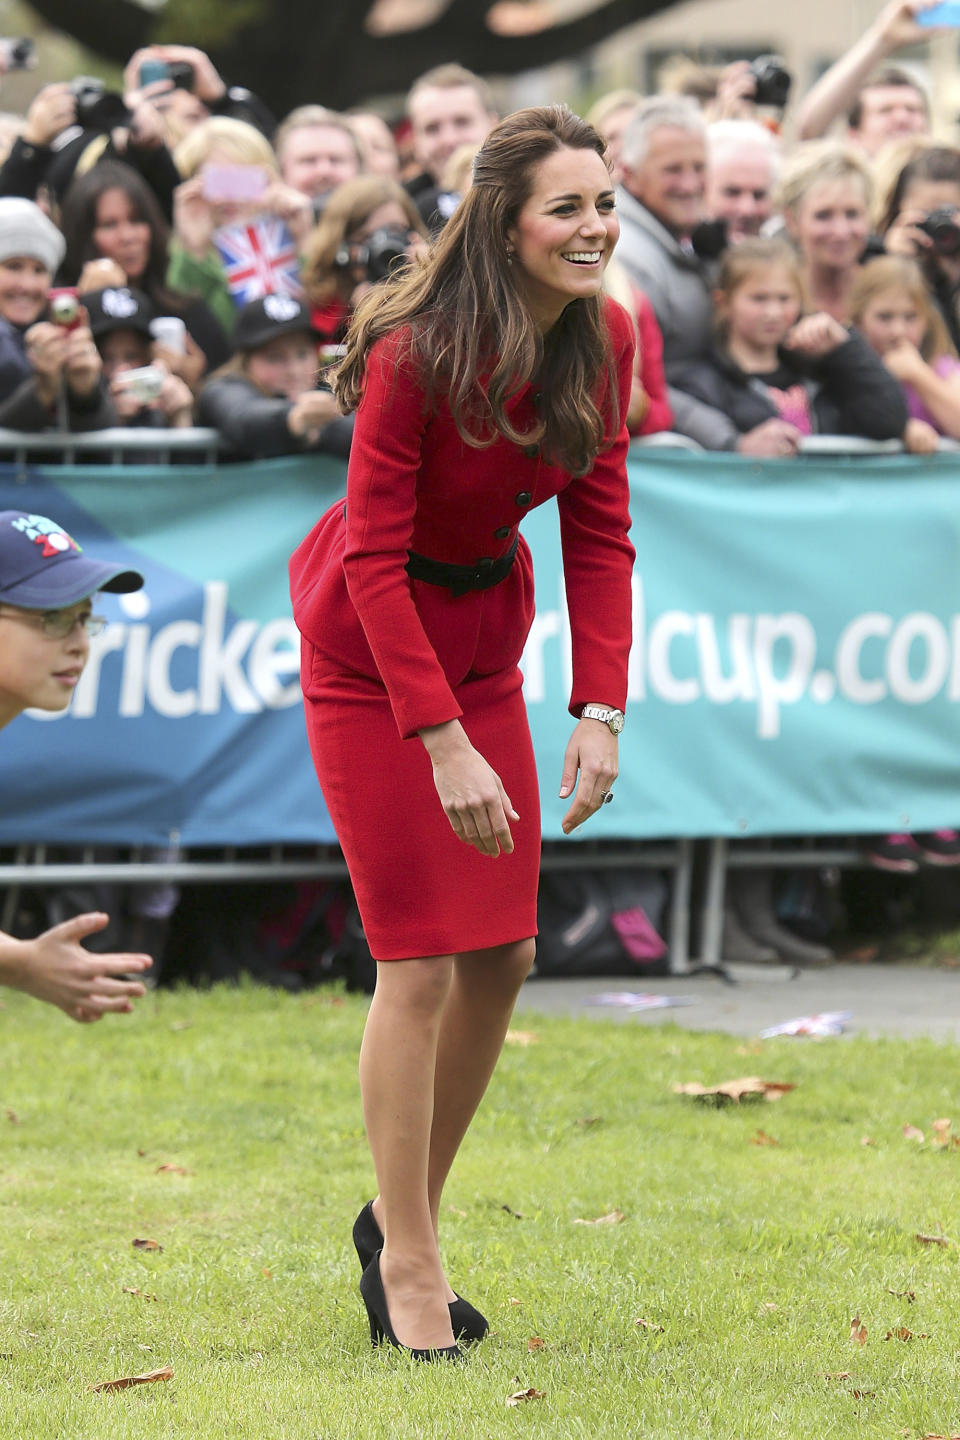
point(606, 797)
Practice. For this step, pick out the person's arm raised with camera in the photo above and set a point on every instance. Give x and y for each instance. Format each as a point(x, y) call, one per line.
point(46, 350)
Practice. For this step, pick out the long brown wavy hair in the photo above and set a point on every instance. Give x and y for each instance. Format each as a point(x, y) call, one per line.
point(472, 337)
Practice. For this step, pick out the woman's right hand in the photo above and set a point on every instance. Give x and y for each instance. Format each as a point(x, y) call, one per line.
point(905, 237)
point(46, 351)
point(194, 218)
point(470, 790)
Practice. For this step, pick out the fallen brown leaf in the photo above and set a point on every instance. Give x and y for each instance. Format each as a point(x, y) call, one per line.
point(521, 1037)
point(933, 1239)
point(858, 1332)
point(141, 1153)
point(908, 1295)
point(613, 1217)
point(770, 1305)
point(868, 1140)
point(515, 1213)
point(127, 1380)
point(13, 1117)
point(129, 1290)
point(512, 1300)
point(904, 1334)
point(147, 1245)
point(586, 1121)
point(267, 1274)
point(535, 1343)
point(862, 1394)
point(762, 1138)
point(648, 1325)
point(941, 1133)
point(910, 1132)
point(938, 1436)
point(748, 1086)
point(520, 1395)
point(836, 1375)
point(171, 1169)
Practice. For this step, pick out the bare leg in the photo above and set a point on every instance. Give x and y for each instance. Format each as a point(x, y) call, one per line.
point(398, 1061)
point(479, 1004)
point(475, 1020)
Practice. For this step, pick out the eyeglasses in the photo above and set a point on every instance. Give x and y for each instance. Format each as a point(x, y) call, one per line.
point(58, 624)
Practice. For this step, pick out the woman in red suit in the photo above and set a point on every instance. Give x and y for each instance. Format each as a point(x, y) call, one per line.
point(486, 381)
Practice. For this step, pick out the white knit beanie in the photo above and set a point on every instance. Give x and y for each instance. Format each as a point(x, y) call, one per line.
point(25, 230)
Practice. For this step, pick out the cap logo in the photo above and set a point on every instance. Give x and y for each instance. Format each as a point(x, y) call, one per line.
point(51, 538)
point(119, 303)
point(280, 308)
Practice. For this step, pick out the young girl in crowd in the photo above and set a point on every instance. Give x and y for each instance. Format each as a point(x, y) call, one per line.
point(924, 181)
point(266, 401)
point(779, 377)
point(894, 311)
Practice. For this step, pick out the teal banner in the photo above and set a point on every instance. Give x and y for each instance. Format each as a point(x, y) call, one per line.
point(795, 668)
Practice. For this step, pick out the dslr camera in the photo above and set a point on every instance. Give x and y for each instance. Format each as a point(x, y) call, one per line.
point(378, 256)
point(942, 227)
point(97, 107)
point(772, 80)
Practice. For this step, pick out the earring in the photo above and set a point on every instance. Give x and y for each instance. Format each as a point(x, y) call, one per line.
point(510, 254)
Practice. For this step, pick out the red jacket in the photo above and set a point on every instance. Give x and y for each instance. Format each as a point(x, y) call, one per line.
point(659, 415)
point(414, 484)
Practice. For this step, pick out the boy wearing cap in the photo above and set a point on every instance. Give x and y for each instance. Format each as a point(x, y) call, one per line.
point(265, 402)
point(120, 322)
point(40, 362)
point(46, 589)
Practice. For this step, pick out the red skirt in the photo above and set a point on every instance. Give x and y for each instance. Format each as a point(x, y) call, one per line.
point(420, 890)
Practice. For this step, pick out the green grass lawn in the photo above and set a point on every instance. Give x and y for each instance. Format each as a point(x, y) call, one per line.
point(752, 1258)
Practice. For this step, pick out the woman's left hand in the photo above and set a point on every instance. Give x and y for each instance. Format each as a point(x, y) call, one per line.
point(593, 752)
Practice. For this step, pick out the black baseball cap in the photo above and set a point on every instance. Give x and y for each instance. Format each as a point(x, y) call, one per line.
point(260, 321)
point(118, 307)
point(43, 568)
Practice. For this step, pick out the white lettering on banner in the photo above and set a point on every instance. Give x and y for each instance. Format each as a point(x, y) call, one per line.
point(247, 669)
point(769, 661)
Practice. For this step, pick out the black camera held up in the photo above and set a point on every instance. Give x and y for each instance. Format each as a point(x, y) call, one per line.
point(771, 79)
point(942, 227)
point(97, 107)
point(376, 257)
point(709, 239)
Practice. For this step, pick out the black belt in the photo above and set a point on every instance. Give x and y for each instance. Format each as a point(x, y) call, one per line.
point(460, 579)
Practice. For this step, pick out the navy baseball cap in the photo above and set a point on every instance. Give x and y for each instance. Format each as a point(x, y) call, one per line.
point(43, 568)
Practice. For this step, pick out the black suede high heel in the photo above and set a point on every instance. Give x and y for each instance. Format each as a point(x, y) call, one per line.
point(371, 1290)
point(467, 1322)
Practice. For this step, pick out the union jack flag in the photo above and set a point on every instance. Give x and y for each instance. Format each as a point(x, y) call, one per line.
point(259, 258)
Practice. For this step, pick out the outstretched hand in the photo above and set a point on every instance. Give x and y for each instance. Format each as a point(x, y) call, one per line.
point(591, 752)
point(55, 967)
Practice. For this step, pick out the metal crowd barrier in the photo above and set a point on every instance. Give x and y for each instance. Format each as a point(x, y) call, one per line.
point(30, 866)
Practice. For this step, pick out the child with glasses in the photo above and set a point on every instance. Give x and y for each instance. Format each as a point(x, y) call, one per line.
point(46, 622)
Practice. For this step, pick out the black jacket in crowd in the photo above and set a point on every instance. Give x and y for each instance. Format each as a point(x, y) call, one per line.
point(254, 425)
point(851, 392)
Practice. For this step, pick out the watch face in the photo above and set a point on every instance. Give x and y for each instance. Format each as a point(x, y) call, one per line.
point(616, 722)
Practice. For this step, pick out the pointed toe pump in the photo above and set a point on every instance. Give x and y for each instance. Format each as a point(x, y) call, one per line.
point(467, 1322)
point(372, 1293)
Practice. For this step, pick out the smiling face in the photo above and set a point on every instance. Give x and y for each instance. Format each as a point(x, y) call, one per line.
point(831, 224)
point(35, 670)
point(670, 179)
point(739, 191)
point(443, 118)
point(564, 234)
point(891, 317)
point(119, 233)
point(24, 283)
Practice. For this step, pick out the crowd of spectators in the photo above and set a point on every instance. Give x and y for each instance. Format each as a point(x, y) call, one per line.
point(173, 255)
